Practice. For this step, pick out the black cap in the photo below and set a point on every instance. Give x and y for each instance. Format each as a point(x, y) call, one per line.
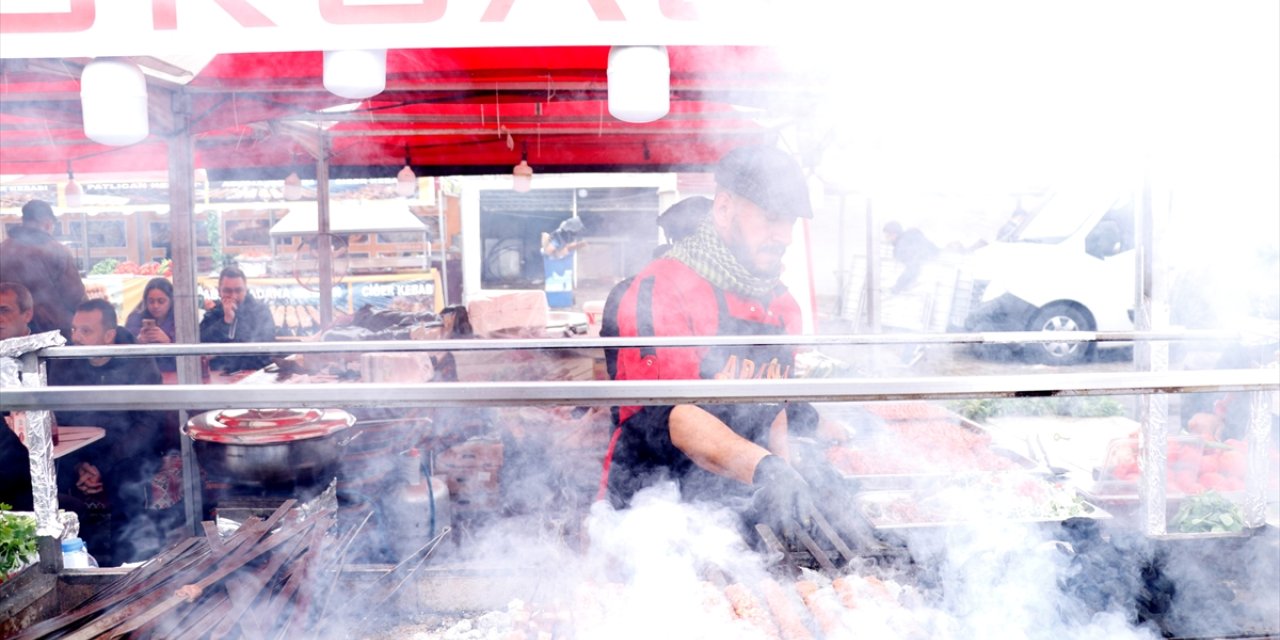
point(767, 177)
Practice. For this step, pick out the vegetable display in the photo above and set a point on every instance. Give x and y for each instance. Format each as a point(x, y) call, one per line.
point(17, 541)
point(1208, 512)
point(111, 266)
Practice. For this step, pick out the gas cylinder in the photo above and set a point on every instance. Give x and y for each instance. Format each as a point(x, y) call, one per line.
point(417, 509)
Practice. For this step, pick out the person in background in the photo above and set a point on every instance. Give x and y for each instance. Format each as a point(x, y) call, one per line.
point(912, 249)
point(681, 220)
point(15, 468)
point(722, 280)
point(558, 250)
point(32, 257)
point(111, 476)
point(678, 222)
point(237, 317)
point(16, 310)
point(151, 322)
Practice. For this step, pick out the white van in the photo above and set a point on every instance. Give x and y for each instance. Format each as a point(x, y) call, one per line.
point(1070, 267)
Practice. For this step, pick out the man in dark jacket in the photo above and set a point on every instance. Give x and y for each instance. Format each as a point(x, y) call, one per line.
point(237, 317)
point(724, 279)
point(110, 476)
point(15, 468)
point(33, 258)
point(912, 249)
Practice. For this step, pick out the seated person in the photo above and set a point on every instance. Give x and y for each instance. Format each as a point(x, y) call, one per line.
point(237, 317)
point(16, 311)
point(111, 476)
point(151, 322)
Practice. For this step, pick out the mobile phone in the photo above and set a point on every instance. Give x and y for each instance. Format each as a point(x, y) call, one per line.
point(148, 323)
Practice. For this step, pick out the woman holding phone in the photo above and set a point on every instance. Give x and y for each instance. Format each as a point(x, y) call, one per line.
point(151, 322)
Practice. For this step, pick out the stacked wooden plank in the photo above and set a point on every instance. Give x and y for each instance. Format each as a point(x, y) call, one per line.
point(271, 578)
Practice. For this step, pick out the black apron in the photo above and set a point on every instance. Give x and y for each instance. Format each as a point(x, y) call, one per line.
point(642, 453)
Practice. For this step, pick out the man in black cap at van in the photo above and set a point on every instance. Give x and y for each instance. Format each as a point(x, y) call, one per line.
point(722, 280)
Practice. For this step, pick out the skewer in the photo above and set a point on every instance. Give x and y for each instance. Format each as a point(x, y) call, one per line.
point(818, 554)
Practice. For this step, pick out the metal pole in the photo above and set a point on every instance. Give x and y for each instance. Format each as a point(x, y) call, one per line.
point(1259, 467)
point(324, 247)
point(1151, 312)
point(873, 272)
point(842, 275)
point(444, 242)
point(185, 299)
point(633, 392)
point(44, 481)
point(84, 239)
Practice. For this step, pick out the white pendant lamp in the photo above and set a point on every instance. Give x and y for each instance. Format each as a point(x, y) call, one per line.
point(639, 83)
point(522, 174)
point(292, 187)
point(355, 74)
point(406, 182)
point(73, 193)
point(113, 99)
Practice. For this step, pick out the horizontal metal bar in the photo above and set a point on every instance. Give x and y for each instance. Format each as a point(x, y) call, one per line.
point(632, 392)
point(382, 346)
point(366, 117)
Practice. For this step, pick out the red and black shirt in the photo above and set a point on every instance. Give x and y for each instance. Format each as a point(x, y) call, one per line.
point(669, 299)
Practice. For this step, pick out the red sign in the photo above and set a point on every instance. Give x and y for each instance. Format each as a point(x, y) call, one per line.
point(165, 27)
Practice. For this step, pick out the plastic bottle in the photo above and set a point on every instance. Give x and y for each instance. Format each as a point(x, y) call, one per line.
point(75, 556)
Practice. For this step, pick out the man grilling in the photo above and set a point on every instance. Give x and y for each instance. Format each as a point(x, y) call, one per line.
point(722, 280)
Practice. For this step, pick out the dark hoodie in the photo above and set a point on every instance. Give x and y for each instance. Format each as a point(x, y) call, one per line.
point(37, 261)
point(129, 433)
point(127, 456)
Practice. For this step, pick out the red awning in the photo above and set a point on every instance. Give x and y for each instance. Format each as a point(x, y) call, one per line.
point(447, 110)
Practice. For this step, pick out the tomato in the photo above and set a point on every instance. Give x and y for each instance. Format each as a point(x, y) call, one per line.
point(1125, 470)
point(1209, 463)
point(1188, 457)
point(1186, 482)
point(1232, 464)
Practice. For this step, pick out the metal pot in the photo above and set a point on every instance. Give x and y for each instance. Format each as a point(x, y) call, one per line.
point(269, 446)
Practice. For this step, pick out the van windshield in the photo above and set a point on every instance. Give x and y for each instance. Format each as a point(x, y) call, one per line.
point(1063, 215)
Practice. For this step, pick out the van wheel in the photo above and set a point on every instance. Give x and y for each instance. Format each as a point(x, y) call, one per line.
point(1060, 317)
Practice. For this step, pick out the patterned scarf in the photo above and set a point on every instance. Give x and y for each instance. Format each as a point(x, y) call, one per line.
point(707, 255)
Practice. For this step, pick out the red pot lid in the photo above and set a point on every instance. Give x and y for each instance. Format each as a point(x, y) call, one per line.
point(266, 426)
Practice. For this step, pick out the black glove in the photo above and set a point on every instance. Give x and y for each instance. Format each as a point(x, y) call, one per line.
point(782, 497)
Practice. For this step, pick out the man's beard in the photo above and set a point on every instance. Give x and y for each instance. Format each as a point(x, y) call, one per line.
point(744, 257)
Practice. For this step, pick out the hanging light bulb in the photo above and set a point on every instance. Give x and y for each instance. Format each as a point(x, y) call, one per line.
point(522, 174)
point(355, 74)
point(406, 181)
point(292, 187)
point(639, 83)
point(74, 194)
point(113, 99)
